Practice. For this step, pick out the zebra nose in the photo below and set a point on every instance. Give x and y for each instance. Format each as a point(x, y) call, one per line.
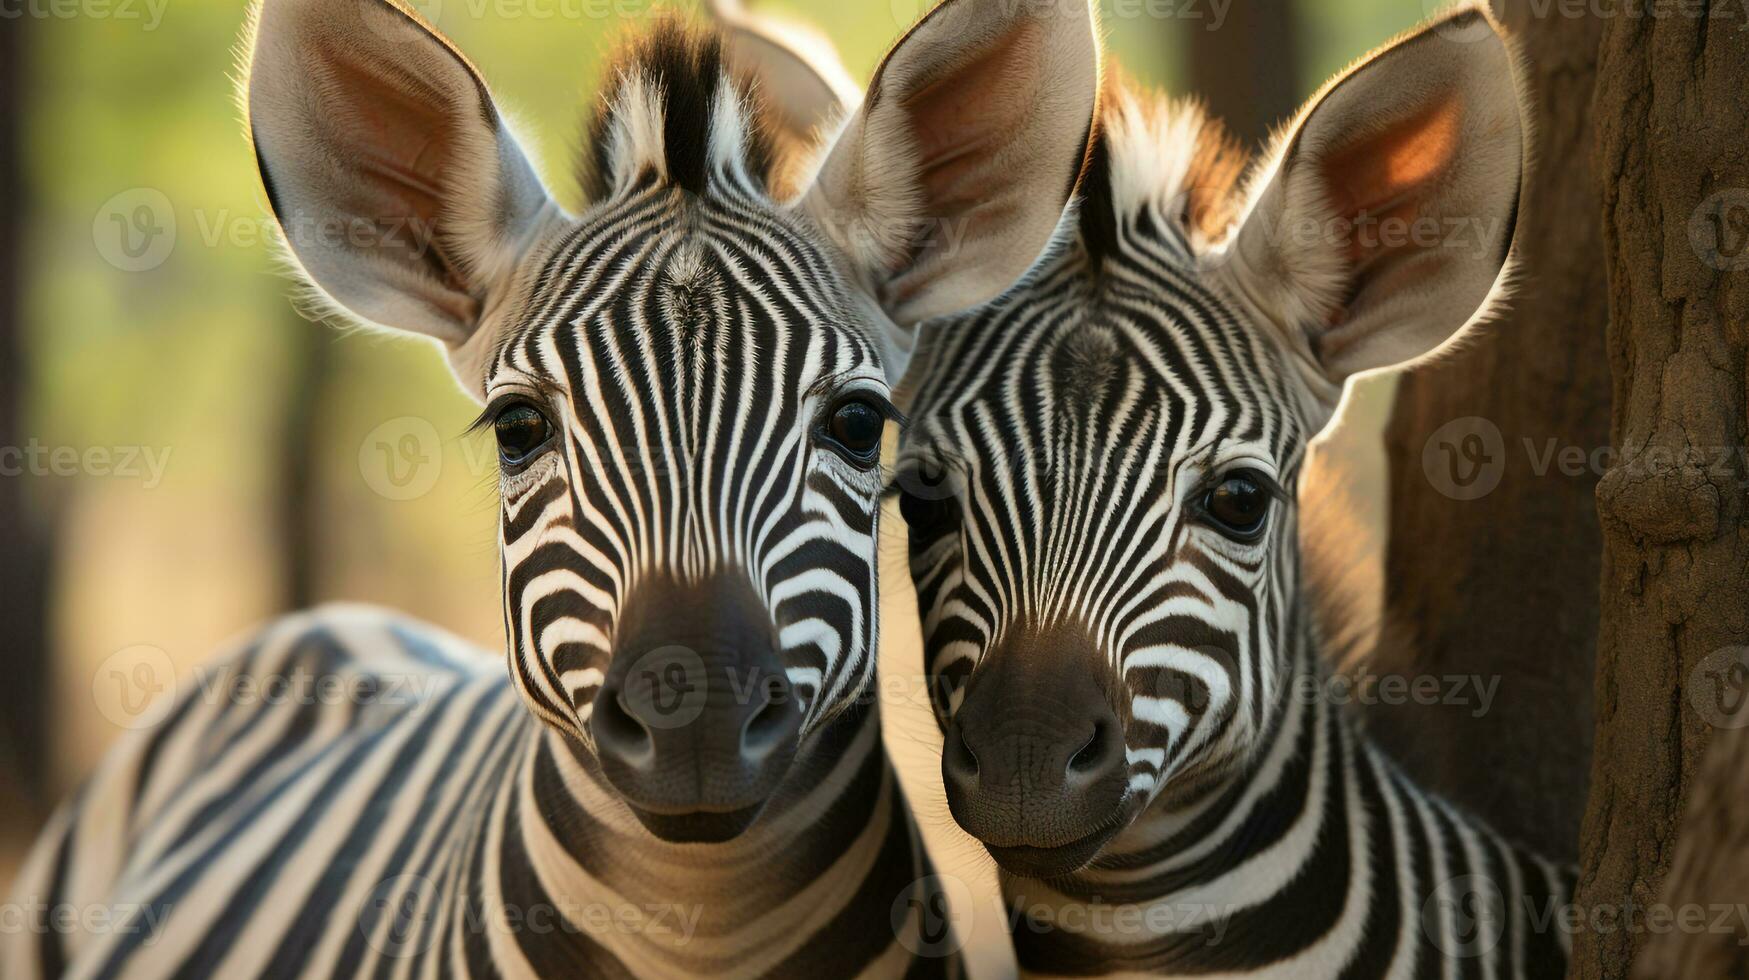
point(659, 717)
point(1034, 761)
point(695, 724)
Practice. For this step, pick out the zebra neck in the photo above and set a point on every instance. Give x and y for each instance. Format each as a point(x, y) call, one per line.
point(1316, 852)
point(558, 841)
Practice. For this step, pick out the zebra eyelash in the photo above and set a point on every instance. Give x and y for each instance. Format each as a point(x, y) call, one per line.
point(1219, 475)
point(511, 470)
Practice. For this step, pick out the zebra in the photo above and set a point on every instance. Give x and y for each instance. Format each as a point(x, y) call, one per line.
point(1139, 723)
point(676, 767)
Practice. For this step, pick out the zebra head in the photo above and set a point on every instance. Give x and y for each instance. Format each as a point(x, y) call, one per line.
point(689, 380)
point(1100, 472)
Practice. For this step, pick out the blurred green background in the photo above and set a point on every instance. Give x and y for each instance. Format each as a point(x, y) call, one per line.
point(300, 463)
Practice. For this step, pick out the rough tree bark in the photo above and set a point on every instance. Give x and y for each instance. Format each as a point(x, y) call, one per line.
point(1493, 557)
point(1711, 865)
point(1672, 158)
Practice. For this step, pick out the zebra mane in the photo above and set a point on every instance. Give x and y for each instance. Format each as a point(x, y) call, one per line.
point(673, 112)
point(1156, 155)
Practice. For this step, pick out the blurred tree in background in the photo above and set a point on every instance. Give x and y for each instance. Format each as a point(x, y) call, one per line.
point(25, 526)
point(1498, 577)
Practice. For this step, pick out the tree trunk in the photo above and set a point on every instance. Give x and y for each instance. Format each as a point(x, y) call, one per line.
point(24, 641)
point(1247, 71)
point(1493, 548)
point(1711, 866)
point(300, 452)
point(1672, 156)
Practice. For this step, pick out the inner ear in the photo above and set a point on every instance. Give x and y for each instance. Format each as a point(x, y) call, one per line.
point(1389, 174)
point(401, 168)
point(961, 116)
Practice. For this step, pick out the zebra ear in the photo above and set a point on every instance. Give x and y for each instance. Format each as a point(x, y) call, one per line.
point(948, 182)
point(399, 189)
point(1385, 216)
point(803, 84)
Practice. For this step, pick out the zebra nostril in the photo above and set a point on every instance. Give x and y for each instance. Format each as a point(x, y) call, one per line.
point(1092, 756)
point(959, 762)
point(619, 732)
point(768, 727)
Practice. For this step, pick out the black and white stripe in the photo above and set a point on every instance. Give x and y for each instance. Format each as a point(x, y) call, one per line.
point(426, 824)
point(684, 338)
point(1061, 444)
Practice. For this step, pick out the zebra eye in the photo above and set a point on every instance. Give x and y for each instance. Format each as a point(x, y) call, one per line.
point(1238, 505)
point(856, 426)
point(522, 430)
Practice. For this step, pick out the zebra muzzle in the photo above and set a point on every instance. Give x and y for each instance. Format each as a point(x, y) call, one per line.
point(695, 723)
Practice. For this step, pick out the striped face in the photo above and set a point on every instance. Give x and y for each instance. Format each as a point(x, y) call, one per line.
point(688, 383)
point(1100, 471)
point(689, 407)
point(690, 413)
point(1103, 545)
